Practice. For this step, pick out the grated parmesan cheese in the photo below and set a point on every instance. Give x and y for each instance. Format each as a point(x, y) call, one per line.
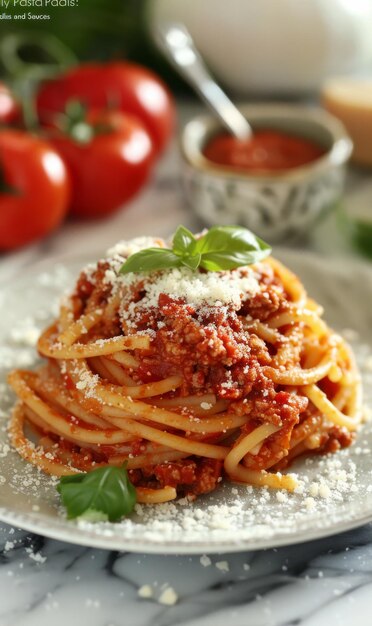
point(222, 289)
point(309, 503)
point(324, 491)
point(314, 490)
point(198, 288)
point(168, 597)
point(223, 566)
point(88, 382)
point(146, 591)
point(125, 248)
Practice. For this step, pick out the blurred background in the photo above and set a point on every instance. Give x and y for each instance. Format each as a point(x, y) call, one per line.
point(258, 50)
point(94, 30)
point(269, 47)
point(255, 47)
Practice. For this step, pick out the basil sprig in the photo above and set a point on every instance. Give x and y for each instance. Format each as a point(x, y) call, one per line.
point(221, 248)
point(104, 493)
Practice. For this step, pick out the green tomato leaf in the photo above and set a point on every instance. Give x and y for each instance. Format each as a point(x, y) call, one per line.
point(149, 260)
point(106, 491)
point(183, 241)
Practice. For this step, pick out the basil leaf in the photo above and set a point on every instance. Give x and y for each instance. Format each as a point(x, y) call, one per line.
point(150, 259)
point(106, 490)
point(183, 241)
point(217, 261)
point(92, 516)
point(221, 248)
point(192, 261)
point(228, 239)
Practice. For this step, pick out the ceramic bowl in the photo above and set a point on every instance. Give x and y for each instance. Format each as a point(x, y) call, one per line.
point(277, 207)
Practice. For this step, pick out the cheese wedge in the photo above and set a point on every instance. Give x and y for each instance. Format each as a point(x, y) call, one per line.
point(350, 99)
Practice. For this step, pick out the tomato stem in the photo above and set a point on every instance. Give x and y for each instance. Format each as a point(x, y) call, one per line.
point(28, 59)
point(49, 56)
point(73, 122)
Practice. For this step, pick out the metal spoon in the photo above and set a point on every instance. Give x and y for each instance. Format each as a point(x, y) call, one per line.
point(176, 41)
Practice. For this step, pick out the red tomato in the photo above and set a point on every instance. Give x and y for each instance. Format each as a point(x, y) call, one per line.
point(10, 111)
point(119, 85)
point(110, 166)
point(34, 188)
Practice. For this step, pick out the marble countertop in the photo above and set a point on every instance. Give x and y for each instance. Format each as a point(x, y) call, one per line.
point(43, 582)
point(323, 583)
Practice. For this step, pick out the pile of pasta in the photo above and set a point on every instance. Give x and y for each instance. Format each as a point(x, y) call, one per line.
point(86, 406)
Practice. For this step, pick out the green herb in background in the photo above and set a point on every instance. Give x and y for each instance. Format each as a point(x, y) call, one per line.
point(221, 248)
point(362, 237)
point(104, 493)
point(357, 233)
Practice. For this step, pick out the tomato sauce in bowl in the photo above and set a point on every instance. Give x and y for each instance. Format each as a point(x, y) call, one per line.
point(266, 152)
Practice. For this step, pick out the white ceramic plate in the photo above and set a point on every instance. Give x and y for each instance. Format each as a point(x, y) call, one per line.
point(233, 518)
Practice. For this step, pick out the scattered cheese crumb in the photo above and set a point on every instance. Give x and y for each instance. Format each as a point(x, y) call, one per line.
point(168, 597)
point(324, 491)
point(281, 496)
point(223, 566)
point(146, 591)
point(309, 503)
point(36, 556)
point(205, 561)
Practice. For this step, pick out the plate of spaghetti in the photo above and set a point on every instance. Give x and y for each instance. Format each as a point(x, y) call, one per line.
point(235, 409)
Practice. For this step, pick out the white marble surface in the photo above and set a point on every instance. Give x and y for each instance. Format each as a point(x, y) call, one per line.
point(44, 582)
point(324, 583)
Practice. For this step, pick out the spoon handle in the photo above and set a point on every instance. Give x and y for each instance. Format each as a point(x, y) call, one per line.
point(176, 42)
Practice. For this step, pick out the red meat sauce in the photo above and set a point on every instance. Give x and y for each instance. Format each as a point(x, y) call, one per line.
point(209, 346)
point(213, 352)
point(191, 477)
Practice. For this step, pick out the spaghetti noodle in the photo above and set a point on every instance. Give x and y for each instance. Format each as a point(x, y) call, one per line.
point(188, 377)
